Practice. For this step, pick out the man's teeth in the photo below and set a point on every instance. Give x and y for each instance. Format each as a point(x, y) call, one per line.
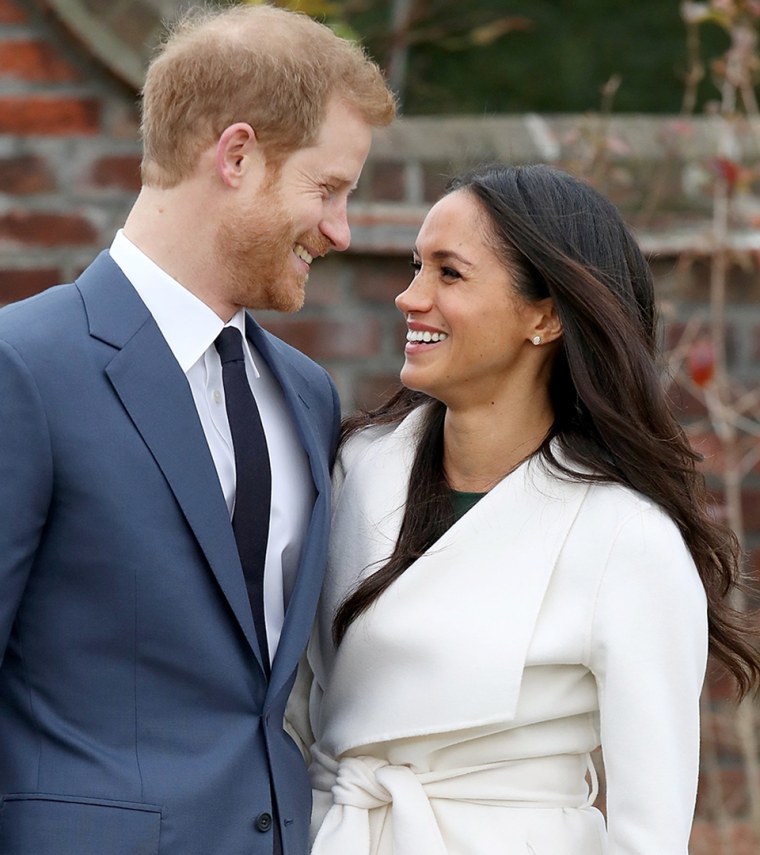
point(302, 254)
point(419, 335)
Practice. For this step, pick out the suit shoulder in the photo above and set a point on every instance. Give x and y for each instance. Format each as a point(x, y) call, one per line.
point(37, 320)
point(316, 376)
point(297, 357)
point(305, 363)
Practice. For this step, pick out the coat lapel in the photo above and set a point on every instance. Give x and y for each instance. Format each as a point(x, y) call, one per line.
point(155, 393)
point(468, 607)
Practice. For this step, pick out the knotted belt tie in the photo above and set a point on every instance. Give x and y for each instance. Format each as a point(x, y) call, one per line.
point(362, 784)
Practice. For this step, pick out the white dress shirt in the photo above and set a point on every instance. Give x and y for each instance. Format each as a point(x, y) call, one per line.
point(190, 328)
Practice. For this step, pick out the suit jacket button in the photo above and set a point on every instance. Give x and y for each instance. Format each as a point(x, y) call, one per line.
point(264, 821)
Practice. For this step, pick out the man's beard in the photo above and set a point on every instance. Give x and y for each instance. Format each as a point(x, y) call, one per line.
point(254, 249)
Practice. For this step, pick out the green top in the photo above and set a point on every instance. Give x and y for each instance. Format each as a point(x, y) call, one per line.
point(462, 502)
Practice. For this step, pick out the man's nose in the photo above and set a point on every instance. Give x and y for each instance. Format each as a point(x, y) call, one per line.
point(336, 229)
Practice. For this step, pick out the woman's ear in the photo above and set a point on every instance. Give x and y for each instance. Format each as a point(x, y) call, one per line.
point(235, 150)
point(546, 327)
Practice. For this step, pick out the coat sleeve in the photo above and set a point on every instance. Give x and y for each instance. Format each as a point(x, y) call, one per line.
point(25, 481)
point(297, 722)
point(648, 651)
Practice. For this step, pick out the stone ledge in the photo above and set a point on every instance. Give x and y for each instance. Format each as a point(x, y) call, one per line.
point(548, 137)
point(388, 229)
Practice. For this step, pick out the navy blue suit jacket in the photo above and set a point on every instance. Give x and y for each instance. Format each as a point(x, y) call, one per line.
point(135, 716)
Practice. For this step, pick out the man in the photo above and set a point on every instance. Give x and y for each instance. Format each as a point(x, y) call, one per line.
point(160, 558)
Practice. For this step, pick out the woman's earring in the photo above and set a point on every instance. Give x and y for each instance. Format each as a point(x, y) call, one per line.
point(536, 339)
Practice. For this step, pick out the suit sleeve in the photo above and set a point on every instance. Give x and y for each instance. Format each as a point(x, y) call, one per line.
point(25, 481)
point(649, 653)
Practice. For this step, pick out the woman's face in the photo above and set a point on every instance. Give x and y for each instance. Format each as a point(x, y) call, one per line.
point(469, 338)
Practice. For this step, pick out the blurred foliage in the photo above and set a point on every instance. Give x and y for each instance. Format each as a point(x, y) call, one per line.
point(329, 12)
point(510, 56)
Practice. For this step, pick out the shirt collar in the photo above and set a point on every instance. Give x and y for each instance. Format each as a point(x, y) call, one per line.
point(189, 326)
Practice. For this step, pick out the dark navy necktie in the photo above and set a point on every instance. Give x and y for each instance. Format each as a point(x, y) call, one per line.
point(253, 491)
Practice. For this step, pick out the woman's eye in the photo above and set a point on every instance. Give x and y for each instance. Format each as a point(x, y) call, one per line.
point(415, 265)
point(449, 273)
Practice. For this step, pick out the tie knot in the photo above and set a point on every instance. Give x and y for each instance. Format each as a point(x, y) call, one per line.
point(229, 344)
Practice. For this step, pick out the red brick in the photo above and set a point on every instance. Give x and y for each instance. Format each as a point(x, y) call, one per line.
point(43, 229)
point(756, 344)
point(11, 13)
point(720, 735)
point(388, 181)
point(673, 331)
point(751, 509)
point(323, 288)
point(35, 62)
point(49, 116)
point(17, 284)
point(694, 274)
point(121, 171)
point(328, 339)
point(706, 443)
point(754, 565)
point(706, 839)
point(719, 684)
point(373, 389)
point(123, 120)
point(732, 795)
point(377, 279)
point(435, 179)
point(25, 174)
point(686, 407)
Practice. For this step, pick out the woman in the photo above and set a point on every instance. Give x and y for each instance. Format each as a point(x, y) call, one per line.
point(523, 565)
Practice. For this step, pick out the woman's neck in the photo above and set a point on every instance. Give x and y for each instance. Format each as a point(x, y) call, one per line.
point(481, 448)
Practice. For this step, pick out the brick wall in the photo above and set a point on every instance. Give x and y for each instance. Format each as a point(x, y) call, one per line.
point(69, 155)
point(69, 171)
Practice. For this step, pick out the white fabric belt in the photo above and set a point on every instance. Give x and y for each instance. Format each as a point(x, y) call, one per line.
point(362, 784)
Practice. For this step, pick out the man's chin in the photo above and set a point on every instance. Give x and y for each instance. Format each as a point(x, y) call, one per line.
point(287, 300)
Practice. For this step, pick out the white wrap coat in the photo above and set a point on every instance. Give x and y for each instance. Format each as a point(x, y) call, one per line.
point(458, 714)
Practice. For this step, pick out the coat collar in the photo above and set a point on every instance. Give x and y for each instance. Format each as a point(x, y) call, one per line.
point(467, 607)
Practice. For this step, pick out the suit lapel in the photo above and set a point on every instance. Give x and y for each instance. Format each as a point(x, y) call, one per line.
point(295, 389)
point(155, 393)
point(300, 607)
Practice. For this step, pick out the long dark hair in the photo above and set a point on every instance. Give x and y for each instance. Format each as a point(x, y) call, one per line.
point(559, 238)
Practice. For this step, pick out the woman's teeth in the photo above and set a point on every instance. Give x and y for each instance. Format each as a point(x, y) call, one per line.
point(426, 336)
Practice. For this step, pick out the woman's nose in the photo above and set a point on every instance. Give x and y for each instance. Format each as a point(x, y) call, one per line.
point(415, 298)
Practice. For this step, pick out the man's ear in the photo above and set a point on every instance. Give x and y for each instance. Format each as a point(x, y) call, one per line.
point(546, 326)
point(235, 150)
